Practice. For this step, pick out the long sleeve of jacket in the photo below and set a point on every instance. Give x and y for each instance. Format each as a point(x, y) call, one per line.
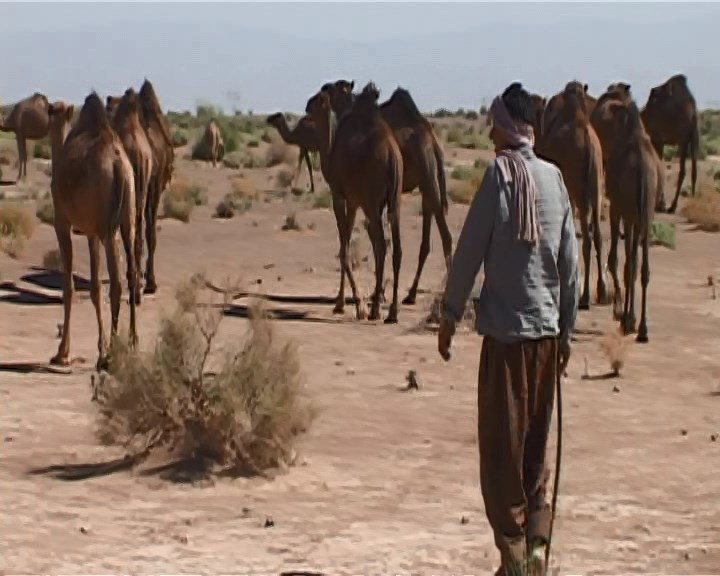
point(568, 271)
point(472, 245)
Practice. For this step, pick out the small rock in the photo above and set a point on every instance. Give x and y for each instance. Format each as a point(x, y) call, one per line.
point(269, 522)
point(350, 372)
point(182, 538)
point(338, 362)
point(686, 555)
point(84, 530)
point(8, 439)
point(464, 519)
point(683, 432)
point(411, 379)
point(268, 266)
point(713, 437)
point(188, 521)
point(246, 511)
point(616, 388)
point(258, 281)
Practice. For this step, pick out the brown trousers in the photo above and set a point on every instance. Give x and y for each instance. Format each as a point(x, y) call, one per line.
point(516, 393)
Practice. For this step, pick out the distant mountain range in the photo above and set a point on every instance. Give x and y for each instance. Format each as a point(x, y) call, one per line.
point(267, 71)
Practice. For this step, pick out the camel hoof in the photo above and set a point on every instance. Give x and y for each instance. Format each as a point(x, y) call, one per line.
point(150, 288)
point(409, 299)
point(584, 306)
point(642, 337)
point(672, 209)
point(102, 364)
point(391, 319)
point(58, 360)
point(374, 315)
point(339, 309)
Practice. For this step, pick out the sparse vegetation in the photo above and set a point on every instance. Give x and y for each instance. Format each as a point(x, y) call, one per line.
point(42, 149)
point(245, 416)
point(277, 153)
point(16, 227)
point(284, 178)
point(238, 201)
point(662, 234)
point(180, 199)
point(45, 211)
point(291, 222)
point(52, 260)
point(614, 348)
point(323, 199)
point(704, 209)
point(179, 138)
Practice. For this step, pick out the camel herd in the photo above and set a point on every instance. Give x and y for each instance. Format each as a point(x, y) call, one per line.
point(110, 168)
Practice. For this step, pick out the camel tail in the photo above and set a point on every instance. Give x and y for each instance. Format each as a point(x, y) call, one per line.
point(442, 185)
point(119, 197)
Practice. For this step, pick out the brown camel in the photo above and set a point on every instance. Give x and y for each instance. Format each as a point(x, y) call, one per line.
point(158, 133)
point(93, 190)
point(363, 165)
point(671, 118)
point(603, 121)
point(29, 121)
point(423, 161)
point(635, 177)
point(303, 135)
point(111, 104)
point(126, 123)
point(213, 141)
point(571, 143)
point(554, 106)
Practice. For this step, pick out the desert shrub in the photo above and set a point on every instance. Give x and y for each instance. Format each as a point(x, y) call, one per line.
point(180, 199)
point(52, 260)
point(234, 160)
point(277, 153)
point(291, 222)
point(245, 416)
point(614, 347)
point(200, 151)
point(238, 201)
point(42, 149)
point(16, 227)
point(466, 182)
point(704, 209)
point(284, 178)
point(323, 199)
point(662, 234)
point(45, 211)
point(179, 138)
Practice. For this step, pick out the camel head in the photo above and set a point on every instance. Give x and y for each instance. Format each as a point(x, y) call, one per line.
point(539, 103)
point(111, 104)
point(127, 105)
point(319, 104)
point(60, 115)
point(275, 119)
point(341, 96)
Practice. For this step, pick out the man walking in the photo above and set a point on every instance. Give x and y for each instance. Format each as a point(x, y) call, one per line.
point(520, 225)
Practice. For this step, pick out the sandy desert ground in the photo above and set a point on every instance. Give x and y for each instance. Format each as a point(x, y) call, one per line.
point(388, 481)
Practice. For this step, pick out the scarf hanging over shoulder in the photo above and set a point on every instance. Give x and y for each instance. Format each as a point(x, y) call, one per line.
point(513, 168)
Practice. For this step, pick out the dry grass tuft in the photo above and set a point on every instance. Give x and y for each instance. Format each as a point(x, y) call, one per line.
point(704, 209)
point(16, 227)
point(284, 178)
point(291, 223)
point(239, 201)
point(278, 153)
point(45, 211)
point(52, 260)
point(180, 199)
point(244, 417)
point(614, 348)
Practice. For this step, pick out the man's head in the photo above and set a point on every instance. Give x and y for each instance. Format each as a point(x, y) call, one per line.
point(518, 109)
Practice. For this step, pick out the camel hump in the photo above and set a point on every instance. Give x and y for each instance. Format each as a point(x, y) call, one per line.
point(93, 116)
point(680, 79)
point(405, 101)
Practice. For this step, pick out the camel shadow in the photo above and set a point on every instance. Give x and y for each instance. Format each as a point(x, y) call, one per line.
point(242, 311)
point(283, 299)
point(74, 472)
point(598, 377)
point(53, 280)
point(24, 296)
point(33, 368)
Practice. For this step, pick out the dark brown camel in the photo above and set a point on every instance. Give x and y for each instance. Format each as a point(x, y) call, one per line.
point(303, 135)
point(423, 161)
point(671, 118)
point(635, 177)
point(28, 120)
point(158, 133)
point(363, 165)
point(125, 120)
point(93, 191)
point(571, 143)
point(111, 104)
point(552, 109)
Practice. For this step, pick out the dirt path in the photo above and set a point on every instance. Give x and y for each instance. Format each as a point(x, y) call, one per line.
point(389, 479)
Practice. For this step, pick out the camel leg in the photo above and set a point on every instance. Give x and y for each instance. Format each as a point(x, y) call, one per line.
point(630, 273)
point(660, 200)
point(310, 170)
point(396, 261)
point(377, 239)
point(151, 211)
point(345, 259)
point(111, 257)
point(613, 263)
point(693, 167)
point(642, 336)
point(601, 296)
point(141, 190)
point(681, 177)
point(62, 231)
point(127, 231)
point(340, 210)
point(586, 250)
point(424, 251)
point(22, 156)
point(96, 297)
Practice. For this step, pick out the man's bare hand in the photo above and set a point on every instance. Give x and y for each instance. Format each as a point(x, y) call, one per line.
point(445, 335)
point(565, 351)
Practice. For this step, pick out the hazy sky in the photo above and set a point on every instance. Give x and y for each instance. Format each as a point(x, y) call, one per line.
point(270, 56)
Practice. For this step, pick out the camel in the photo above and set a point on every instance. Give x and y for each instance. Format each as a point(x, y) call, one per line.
point(671, 117)
point(111, 104)
point(29, 121)
point(423, 161)
point(552, 108)
point(571, 142)
point(363, 165)
point(213, 141)
point(604, 124)
point(303, 135)
point(635, 177)
point(126, 123)
point(163, 153)
point(93, 190)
